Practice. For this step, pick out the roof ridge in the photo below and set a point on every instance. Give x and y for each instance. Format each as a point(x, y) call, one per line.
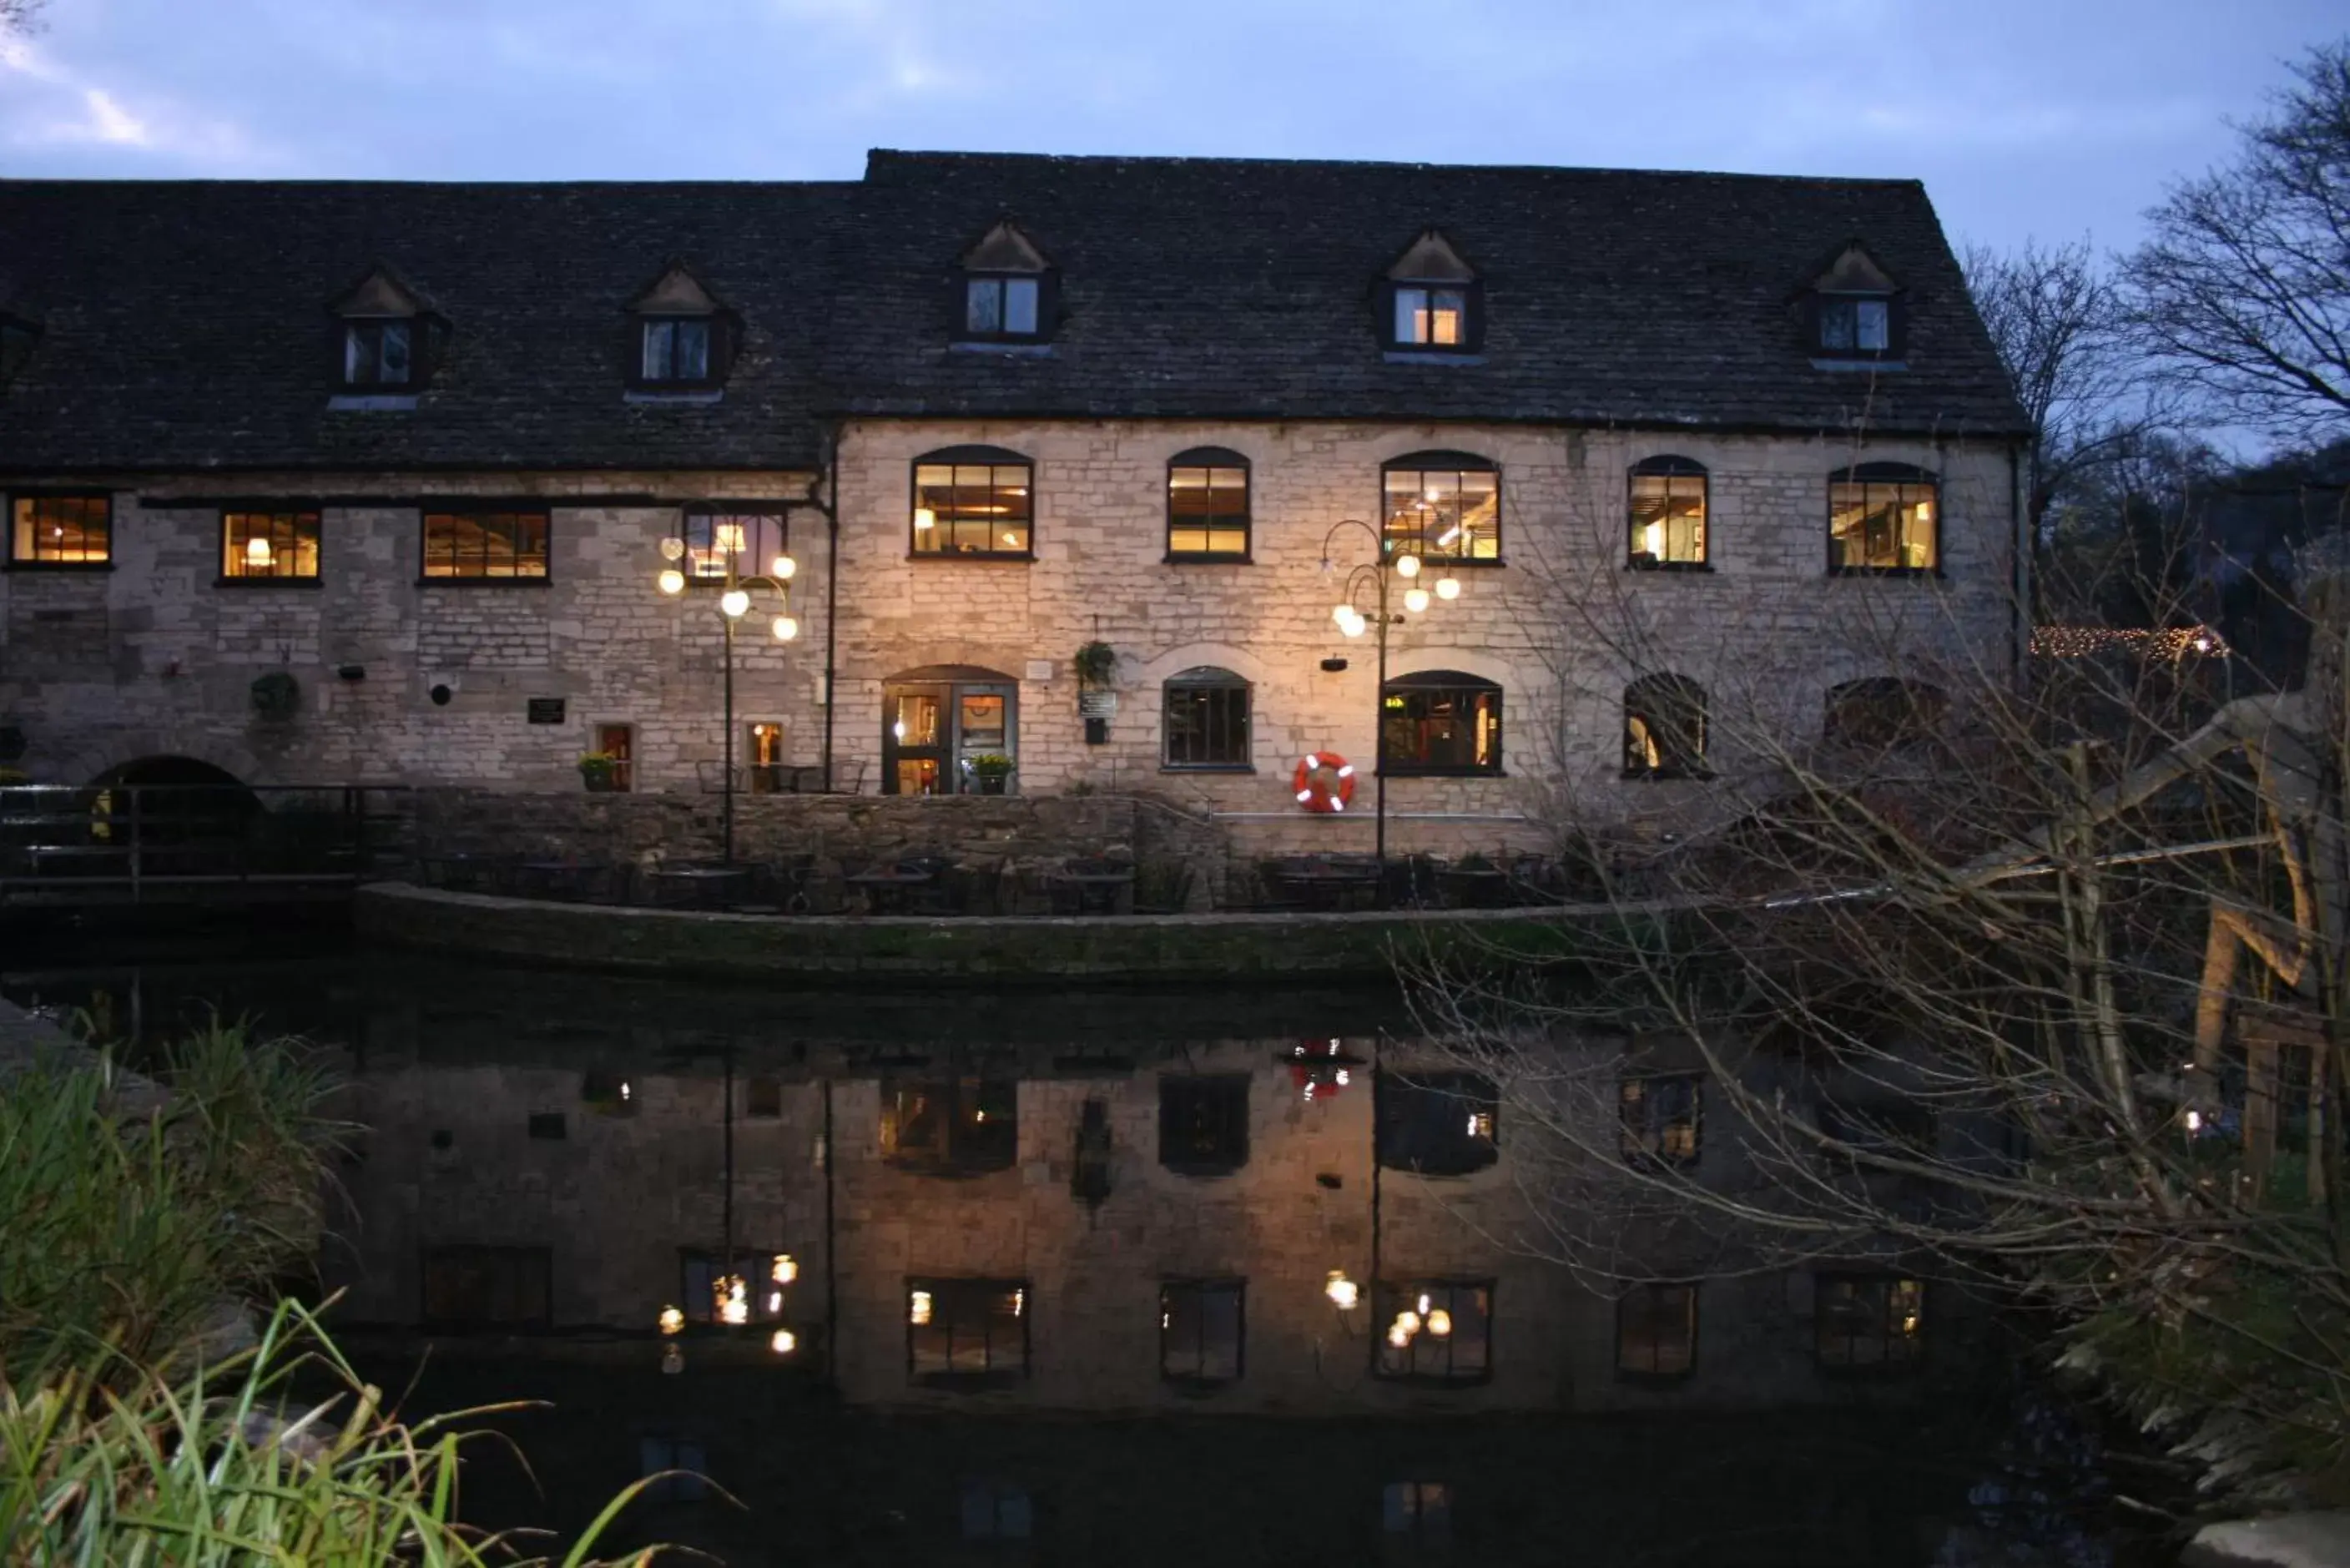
point(909, 156)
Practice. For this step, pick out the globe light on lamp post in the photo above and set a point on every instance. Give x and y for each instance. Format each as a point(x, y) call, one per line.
point(730, 541)
point(1375, 576)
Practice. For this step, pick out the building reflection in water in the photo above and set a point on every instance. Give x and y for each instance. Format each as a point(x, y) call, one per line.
point(860, 1260)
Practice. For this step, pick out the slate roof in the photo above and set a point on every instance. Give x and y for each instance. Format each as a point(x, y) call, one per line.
point(186, 323)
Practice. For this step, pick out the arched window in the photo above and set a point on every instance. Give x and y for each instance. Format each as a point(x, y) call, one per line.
point(973, 501)
point(1205, 719)
point(1207, 505)
point(1664, 728)
point(1439, 721)
point(1883, 710)
point(1884, 517)
point(1443, 507)
point(1668, 513)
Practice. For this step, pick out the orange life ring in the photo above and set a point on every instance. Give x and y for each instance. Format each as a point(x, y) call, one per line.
point(1324, 782)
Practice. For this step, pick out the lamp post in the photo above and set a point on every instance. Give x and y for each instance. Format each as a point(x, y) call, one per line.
point(1386, 563)
point(728, 544)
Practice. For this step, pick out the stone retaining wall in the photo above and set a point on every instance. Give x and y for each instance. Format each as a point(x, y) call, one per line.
point(1043, 951)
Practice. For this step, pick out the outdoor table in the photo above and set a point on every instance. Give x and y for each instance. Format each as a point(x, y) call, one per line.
point(700, 887)
point(1098, 892)
point(886, 891)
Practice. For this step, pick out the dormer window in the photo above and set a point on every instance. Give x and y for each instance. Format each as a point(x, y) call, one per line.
point(675, 350)
point(1855, 312)
point(683, 337)
point(1006, 286)
point(387, 334)
point(378, 354)
point(1000, 307)
point(1855, 323)
point(1434, 300)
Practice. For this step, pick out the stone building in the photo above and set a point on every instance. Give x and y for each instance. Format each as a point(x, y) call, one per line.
point(323, 482)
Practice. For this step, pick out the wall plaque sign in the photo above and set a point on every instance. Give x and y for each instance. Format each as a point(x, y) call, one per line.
point(1098, 704)
point(545, 709)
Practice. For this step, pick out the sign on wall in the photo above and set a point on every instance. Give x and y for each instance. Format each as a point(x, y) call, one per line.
point(1098, 704)
point(545, 709)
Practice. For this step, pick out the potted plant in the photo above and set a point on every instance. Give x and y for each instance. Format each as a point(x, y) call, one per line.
point(1097, 664)
point(596, 771)
point(989, 770)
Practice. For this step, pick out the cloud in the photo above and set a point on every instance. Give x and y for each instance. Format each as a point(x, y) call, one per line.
point(58, 108)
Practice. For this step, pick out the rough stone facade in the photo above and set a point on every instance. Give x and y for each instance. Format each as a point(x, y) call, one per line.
point(157, 656)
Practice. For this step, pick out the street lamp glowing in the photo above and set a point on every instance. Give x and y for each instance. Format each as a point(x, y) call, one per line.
point(1407, 565)
point(1343, 614)
point(673, 581)
point(785, 628)
point(1354, 625)
point(1448, 588)
point(1415, 599)
point(784, 568)
point(736, 603)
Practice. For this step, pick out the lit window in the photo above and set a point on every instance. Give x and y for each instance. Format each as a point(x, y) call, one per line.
point(966, 1331)
point(1434, 1331)
point(1660, 1117)
point(1655, 1331)
point(1204, 713)
point(1664, 728)
point(1438, 1124)
point(973, 500)
point(676, 349)
point(618, 742)
point(270, 546)
point(952, 1126)
point(1439, 721)
point(1869, 1322)
point(1208, 507)
point(1199, 1330)
point(485, 547)
point(1001, 306)
point(1668, 495)
point(62, 531)
point(748, 1292)
point(1884, 517)
point(1443, 507)
point(713, 537)
point(1855, 325)
point(1432, 317)
point(1203, 1122)
point(379, 353)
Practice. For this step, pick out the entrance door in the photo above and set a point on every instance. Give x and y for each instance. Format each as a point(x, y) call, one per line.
point(933, 729)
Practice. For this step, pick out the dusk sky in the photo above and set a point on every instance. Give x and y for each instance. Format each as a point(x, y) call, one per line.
point(2054, 117)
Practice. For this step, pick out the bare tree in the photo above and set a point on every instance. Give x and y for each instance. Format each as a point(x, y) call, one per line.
point(2058, 326)
point(2243, 292)
point(18, 18)
point(2039, 991)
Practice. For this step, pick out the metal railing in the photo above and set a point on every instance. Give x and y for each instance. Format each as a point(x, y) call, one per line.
point(136, 844)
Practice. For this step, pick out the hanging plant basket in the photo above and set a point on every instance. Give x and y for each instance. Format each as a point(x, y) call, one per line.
point(1097, 664)
point(276, 695)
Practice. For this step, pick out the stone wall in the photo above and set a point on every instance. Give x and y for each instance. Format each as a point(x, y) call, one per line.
point(645, 829)
point(156, 657)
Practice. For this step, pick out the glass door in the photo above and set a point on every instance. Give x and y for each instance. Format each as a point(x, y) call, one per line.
point(948, 737)
point(914, 741)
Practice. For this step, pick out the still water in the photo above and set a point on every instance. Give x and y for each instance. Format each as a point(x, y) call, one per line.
point(1062, 1277)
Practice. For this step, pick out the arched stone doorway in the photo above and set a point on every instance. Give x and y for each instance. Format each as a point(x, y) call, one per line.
point(939, 721)
point(162, 801)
